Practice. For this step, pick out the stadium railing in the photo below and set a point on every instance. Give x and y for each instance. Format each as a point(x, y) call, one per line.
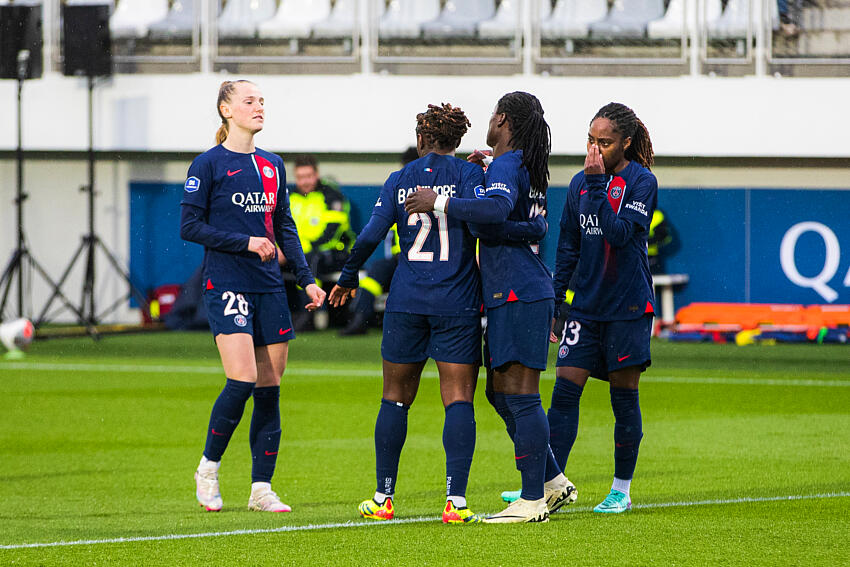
point(567, 37)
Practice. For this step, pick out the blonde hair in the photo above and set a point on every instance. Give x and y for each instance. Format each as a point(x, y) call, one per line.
point(224, 93)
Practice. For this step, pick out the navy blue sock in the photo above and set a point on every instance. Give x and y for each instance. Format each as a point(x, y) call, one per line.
point(265, 433)
point(531, 442)
point(459, 443)
point(390, 433)
point(497, 400)
point(628, 431)
point(225, 416)
point(563, 419)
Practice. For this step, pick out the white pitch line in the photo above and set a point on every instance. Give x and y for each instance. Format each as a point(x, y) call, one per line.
point(360, 373)
point(314, 527)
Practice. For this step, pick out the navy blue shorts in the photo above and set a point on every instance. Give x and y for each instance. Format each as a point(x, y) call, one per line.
point(605, 346)
point(518, 332)
point(264, 316)
point(409, 337)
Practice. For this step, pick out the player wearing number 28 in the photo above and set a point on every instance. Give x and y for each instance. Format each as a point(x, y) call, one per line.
point(235, 204)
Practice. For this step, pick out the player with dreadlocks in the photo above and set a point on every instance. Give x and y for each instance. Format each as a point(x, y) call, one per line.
point(432, 311)
point(602, 274)
point(518, 294)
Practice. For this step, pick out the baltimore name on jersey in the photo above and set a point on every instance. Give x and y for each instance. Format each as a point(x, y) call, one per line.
point(228, 198)
point(436, 273)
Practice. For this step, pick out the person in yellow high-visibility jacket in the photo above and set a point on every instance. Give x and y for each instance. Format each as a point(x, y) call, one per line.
point(321, 215)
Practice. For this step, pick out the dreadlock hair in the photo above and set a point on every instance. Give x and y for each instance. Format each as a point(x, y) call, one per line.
point(225, 91)
point(630, 126)
point(529, 133)
point(442, 126)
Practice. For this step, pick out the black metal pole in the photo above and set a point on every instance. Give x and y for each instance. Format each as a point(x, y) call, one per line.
point(19, 198)
point(90, 268)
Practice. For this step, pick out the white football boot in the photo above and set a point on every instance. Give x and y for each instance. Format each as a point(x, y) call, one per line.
point(559, 492)
point(263, 499)
point(206, 486)
point(521, 511)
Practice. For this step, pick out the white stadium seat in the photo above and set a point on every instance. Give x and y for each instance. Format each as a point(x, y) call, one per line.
point(295, 18)
point(504, 24)
point(628, 18)
point(132, 18)
point(572, 18)
point(732, 23)
point(459, 19)
point(179, 23)
point(404, 18)
point(340, 23)
point(240, 18)
point(680, 13)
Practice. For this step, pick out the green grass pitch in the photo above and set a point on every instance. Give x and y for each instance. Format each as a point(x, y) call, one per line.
point(745, 461)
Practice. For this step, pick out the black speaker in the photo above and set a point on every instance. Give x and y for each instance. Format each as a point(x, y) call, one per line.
point(86, 44)
point(20, 42)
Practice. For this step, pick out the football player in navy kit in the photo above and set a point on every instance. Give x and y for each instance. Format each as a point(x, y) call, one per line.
point(517, 289)
point(235, 205)
point(433, 309)
point(602, 276)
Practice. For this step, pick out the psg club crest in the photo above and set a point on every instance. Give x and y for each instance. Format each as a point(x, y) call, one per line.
point(616, 191)
point(240, 320)
point(268, 172)
point(563, 351)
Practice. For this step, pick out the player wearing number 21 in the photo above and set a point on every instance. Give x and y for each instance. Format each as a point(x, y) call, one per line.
point(235, 204)
point(517, 289)
point(432, 311)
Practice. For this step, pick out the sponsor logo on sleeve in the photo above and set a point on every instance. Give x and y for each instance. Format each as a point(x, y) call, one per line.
point(378, 203)
point(192, 184)
point(496, 186)
point(480, 193)
point(639, 207)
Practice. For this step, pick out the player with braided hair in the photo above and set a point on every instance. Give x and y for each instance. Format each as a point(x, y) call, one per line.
point(602, 274)
point(433, 308)
point(518, 294)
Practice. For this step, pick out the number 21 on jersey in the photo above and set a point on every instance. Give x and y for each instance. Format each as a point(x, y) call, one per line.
point(415, 254)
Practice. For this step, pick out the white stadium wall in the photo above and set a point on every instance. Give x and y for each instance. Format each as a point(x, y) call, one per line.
point(740, 119)
point(688, 116)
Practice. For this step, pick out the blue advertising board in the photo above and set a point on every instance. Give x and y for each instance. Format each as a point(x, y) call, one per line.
point(737, 245)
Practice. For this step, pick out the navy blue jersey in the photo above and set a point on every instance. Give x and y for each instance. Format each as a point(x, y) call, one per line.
point(513, 270)
point(601, 257)
point(228, 198)
point(436, 273)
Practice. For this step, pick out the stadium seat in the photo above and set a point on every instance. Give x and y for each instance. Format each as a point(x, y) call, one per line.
point(240, 18)
point(572, 18)
point(628, 19)
point(504, 24)
point(340, 23)
point(732, 23)
point(132, 18)
point(295, 18)
point(404, 18)
point(459, 19)
point(680, 16)
point(179, 23)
